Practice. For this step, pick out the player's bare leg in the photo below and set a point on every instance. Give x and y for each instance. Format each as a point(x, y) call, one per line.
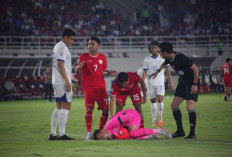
point(139, 110)
point(119, 107)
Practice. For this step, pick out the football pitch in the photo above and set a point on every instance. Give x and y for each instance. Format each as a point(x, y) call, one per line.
point(25, 128)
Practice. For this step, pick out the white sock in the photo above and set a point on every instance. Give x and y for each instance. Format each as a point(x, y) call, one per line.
point(54, 121)
point(63, 121)
point(154, 111)
point(160, 109)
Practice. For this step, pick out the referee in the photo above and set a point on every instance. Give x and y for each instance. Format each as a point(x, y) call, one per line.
point(187, 88)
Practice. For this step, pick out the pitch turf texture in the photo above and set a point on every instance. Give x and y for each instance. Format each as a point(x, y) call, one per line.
point(25, 128)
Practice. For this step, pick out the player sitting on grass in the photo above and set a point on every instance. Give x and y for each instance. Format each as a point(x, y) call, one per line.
point(125, 125)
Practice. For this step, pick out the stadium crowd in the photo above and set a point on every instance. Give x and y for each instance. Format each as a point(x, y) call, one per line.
point(27, 87)
point(167, 17)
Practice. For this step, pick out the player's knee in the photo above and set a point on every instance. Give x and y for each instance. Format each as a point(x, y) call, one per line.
point(89, 111)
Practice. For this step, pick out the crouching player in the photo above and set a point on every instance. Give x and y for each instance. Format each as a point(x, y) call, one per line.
point(125, 125)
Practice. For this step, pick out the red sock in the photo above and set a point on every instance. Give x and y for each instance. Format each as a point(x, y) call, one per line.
point(141, 124)
point(88, 120)
point(103, 120)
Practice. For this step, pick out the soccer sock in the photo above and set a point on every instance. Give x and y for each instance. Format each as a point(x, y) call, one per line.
point(63, 118)
point(160, 109)
point(103, 120)
point(88, 120)
point(54, 121)
point(143, 132)
point(178, 117)
point(154, 111)
point(141, 124)
point(192, 121)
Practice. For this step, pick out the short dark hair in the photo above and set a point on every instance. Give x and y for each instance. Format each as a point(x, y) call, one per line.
point(166, 47)
point(68, 32)
point(122, 77)
point(96, 39)
point(152, 43)
point(96, 132)
point(228, 60)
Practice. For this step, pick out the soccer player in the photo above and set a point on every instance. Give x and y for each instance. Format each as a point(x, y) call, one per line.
point(92, 66)
point(156, 86)
point(227, 78)
point(127, 84)
point(187, 88)
point(61, 81)
point(125, 125)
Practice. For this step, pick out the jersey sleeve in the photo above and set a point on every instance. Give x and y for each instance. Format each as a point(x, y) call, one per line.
point(104, 62)
point(61, 54)
point(136, 77)
point(145, 65)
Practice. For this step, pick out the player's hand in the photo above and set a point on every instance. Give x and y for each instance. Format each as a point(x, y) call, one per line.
point(68, 86)
point(193, 89)
point(144, 100)
point(74, 78)
point(152, 76)
point(112, 73)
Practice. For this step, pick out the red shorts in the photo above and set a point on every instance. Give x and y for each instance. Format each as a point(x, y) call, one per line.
point(96, 94)
point(228, 83)
point(134, 93)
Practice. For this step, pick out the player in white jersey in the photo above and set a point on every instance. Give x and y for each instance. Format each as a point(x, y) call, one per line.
point(61, 81)
point(156, 88)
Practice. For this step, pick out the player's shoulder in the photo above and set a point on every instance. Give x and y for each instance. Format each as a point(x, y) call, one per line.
point(148, 57)
point(101, 55)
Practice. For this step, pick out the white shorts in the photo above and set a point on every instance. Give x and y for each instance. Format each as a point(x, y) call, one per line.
point(61, 95)
point(155, 90)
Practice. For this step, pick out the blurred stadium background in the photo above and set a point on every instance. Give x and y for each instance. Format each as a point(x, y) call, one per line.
point(29, 30)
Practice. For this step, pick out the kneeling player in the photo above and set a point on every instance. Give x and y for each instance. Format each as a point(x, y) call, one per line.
point(129, 119)
point(127, 84)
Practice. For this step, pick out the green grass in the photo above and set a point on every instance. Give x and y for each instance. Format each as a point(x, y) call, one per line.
point(25, 128)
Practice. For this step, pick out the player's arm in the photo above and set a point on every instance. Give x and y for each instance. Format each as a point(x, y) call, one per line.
point(143, 90)
point(195, 78)
point(64, 76)
point(163, 65)
point(111, 107)
point(169, 77)
point(144, 75)
point(107, 72)
point(79, 67)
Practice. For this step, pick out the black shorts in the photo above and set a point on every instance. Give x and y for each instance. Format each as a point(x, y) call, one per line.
point(183, 90)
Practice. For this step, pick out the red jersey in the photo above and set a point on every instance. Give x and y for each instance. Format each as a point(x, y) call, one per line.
point(133, 81)
point(227, 72)
point(92, 70)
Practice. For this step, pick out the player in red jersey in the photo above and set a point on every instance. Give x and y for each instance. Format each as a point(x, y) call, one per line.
point(127, 84)
point(93, 65)
point(227, 78)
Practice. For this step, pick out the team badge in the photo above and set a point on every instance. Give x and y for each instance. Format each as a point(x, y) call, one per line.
point(100, 61)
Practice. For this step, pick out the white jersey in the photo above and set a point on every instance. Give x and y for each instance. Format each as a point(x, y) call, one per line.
point(61, 53)
point(151, 64)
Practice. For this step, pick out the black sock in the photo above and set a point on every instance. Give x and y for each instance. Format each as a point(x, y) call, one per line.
point(192, 121)
point(178, 117)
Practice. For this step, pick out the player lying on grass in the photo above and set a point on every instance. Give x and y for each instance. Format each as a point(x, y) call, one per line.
point(125, 125)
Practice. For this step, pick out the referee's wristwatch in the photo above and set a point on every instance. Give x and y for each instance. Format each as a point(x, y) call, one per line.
point(194, 83)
